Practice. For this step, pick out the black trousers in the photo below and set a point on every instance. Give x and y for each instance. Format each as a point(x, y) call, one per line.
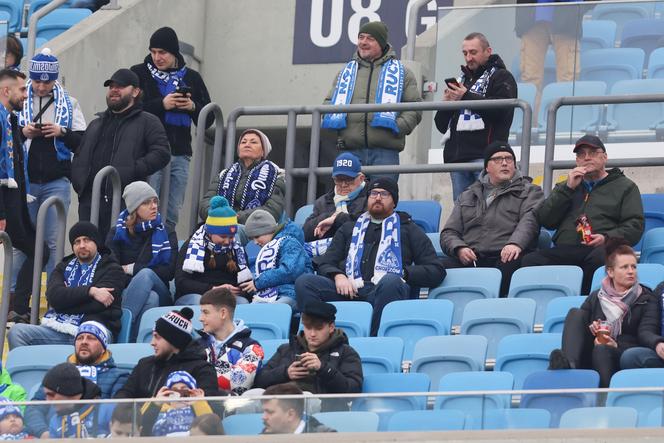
point(492, 261)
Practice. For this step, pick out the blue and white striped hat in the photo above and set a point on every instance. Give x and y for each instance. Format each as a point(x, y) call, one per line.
point(181, 377)
point(44, 66)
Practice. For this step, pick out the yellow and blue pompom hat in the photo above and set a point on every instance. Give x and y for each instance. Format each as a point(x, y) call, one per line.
point(221, 219)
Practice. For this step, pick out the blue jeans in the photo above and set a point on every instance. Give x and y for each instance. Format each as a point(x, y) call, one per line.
point(640, 358)
point(179, 176)
point(26, 335)
point(145, 291)
point(376, 157)
point(462, 179)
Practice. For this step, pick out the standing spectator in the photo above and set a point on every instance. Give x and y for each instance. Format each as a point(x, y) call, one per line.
point(53, 125)
point(370, 78)
point(382, 257)
point(14, 189)
point(124, 136)
point(609, 202)
point(145, 250)
point(176, 94)
point(84, 286)
point(11, 422)
point(235, 355)
point(493, 222)
point(286, 415)
point(484, 77)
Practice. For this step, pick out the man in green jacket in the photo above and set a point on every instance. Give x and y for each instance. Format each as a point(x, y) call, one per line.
point(373, 76)
point(593, 205)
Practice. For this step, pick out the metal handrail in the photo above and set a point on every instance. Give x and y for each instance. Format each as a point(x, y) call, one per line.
point(550, 164)
point(6, 285)
point(164, 189)
point(412, 28)
point(39, 248)
point(96, 194)
point(32, 26)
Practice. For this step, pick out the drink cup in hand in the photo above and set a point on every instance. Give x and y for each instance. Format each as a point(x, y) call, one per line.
point(603, 331)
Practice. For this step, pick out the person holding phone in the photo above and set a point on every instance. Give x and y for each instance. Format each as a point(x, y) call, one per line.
point(467, 132)
point(176, 94)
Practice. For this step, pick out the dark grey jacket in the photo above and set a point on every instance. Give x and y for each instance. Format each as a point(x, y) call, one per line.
point(324, 207)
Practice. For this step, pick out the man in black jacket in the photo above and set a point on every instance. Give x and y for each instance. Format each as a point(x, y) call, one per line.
point(84, 286)
point(484, 77)
point(176, 94)
point(125, 137)
point(380, 258)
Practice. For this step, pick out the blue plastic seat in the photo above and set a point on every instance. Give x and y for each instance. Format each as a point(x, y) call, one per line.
point(523, 354)
point(125, 328)
point(643, 117)
point(544, 240)
point(15, 10)
point(414, 319)
point(243, 424)
point(349, 421)
point(425, 213)
point(585, 118)
point(434, 237)
point(270, 347)
point(516, 419)
point(354, 317)
point(599, 418)
point(556, 312)
point(645, 34)
point(426, 421)
point(379, 355)
point(655, 418)
point(462, 285)
point(150, 316)
point(440, 355)
point(652, 249)
point(653, 210)
point(302, 214)
point(612, 65)
point(27, 365)
point(252, 249)
point(544, 283)
point(126, 355)
point(656, 64)
point(59, 21)
point(649, 274)
point(498, 317)
point(598, 34)
point(643, 402)
point(39, 43)
point(621, 13)
point(475, 406)
point(266, 320)
point(38, 4)
point(526, 92)
point(558, 403)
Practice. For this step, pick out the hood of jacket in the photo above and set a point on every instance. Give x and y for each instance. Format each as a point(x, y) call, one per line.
point(337, 338)
point(90, 390)
point(292, 230)
point(104, 363)
point(494, 61)
point(240, 331)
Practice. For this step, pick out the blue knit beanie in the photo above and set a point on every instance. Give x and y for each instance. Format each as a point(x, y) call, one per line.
point(44, 66)
point(96, 329)
point(8, 408)
point(222, 219)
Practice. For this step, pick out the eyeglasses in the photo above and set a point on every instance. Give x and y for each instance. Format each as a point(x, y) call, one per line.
point(499, 160)
point(381, 194)
point(592, 153)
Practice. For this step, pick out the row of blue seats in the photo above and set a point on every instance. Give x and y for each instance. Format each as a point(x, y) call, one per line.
point(637, 33)
point(623, 13)
point(49, 26)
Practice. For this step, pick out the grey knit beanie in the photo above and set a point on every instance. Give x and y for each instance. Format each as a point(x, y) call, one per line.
point(136, 193)
point(267, 146)
point(258, 223)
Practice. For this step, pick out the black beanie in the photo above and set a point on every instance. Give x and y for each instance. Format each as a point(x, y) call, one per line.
point(388, 184)
point(175, 327)
point(84, 229)
point(495, 147)
point(64, 379)
point(377, 30)
point(165, 38)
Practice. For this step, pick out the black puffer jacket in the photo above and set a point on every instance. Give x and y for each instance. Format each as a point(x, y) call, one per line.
point(324, 207)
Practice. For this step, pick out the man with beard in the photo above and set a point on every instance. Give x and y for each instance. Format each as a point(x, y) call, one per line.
point(94, 362)
point(124, 136)
point(382, 257)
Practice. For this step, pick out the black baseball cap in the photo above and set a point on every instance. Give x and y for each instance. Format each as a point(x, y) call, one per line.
point(123, 77)
point(589, 140)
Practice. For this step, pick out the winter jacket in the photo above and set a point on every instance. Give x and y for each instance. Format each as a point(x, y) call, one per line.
point(162, 419)
point(94, 419)
point(422, 268)
point(359, 134)
point(77, 300)
point(9, 389)
point(324, 207)
point(139, 252)
point(236, 359)
point(465, 146)
point(110, 379)
point(179, 137)
point(140, 148)
point(274, 205)
point(14, 200)
point(292, 261)
point(566, 19)
point(509, 219)
point(312, 426)
point(613, 208)
point(150, 374)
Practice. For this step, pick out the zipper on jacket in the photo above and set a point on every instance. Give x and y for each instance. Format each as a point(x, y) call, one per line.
point(366, 116)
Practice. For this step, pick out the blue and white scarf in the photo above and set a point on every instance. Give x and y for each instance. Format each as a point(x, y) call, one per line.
point(257, 189)
point(7, 177)
point(267, 259)
point(468, 120)
point(341, 201)
point(20, 436)
point(388, 256)
point(76, 275)
point(317, 248)
point(173, 422)
point(161, 248)
point(388, 90)
point(168, 83)
point(194, 260)
point(64, 116)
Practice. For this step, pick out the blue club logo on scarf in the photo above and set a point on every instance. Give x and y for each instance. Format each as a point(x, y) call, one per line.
point(257, 189)
point(267, 259)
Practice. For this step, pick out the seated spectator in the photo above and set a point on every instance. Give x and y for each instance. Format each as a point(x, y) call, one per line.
point(493, 222)
point(174, 418)
point(251, 183)
point(84, 286)
point(122, 421)
point(286, 415)
point(146, 252)
point(235, 355)
point(620, 315)
point(94, 361)
point(591, 207)
point(14, 52)
point(650, 353)
point(64, 383)
point(318, 360)
point(212, 258)
point(347, 201)
point(206, 424)
point(174, 350)
point(11, 422)
point(382, 257)
point(281, 260)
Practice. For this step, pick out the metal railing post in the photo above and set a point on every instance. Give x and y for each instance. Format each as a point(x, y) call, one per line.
point(39, 248)
point(164, 189)
point(6, 286)
point(314, 151)
point(526, 130)
point(231, 130)
point(412, 28)
point(32, 26)
point(550, 145)
point(96, 194)
point(289, 161)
